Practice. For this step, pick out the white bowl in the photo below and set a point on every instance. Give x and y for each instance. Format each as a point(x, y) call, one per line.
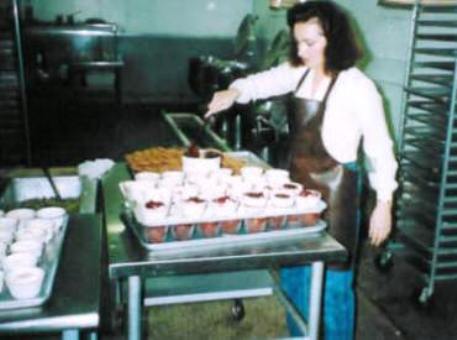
point(6, 236)
point(19, 260)
point(21, 214)
point(56, 214)
point(25, 283)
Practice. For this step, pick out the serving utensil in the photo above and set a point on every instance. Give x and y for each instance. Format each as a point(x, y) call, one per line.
point(48, 175)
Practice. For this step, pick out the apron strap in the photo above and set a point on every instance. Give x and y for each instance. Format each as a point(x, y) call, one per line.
point(302, 79)
point(332, 82)
point(329, 89)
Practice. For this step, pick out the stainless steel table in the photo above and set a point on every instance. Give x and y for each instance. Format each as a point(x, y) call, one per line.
point(130, 262)
point(74, 305)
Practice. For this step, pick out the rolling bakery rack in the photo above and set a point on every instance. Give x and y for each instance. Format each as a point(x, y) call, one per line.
point(426, 212)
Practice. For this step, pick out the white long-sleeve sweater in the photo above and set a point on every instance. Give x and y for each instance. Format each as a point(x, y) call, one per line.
point(354, 111)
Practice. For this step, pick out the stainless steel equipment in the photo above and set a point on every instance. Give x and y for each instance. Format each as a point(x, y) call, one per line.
point(66, 54)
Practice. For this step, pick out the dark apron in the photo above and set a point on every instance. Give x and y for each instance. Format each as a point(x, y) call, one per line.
point(311, 165)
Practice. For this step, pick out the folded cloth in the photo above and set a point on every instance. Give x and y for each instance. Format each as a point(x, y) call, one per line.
point(95, 169)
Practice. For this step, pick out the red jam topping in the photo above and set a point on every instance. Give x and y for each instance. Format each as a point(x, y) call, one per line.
point(193, 151)
point(254, 194)
point(195, 199)
point(290, 186)
point(212, 154)
point(222, 200)
point(307, 192)
point(153, 204)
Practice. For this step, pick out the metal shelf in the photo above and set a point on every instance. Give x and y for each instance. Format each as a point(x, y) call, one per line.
point(426, 209)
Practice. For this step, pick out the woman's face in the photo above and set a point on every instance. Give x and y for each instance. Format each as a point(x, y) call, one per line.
point(311, 43)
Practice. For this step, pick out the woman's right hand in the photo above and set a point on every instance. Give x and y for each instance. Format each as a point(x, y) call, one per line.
point(222, 100)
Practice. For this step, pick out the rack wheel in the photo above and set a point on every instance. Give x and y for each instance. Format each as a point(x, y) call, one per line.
point(423, 298)
point(238, 311)
point(384, 261)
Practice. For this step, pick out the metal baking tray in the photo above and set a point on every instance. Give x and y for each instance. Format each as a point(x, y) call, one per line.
point(49, 262)
point(227, 240)
point(30, 184)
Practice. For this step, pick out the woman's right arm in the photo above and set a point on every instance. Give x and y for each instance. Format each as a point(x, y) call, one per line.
point(273, 82)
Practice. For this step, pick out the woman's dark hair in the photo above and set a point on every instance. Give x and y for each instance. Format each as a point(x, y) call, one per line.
point(342, 50)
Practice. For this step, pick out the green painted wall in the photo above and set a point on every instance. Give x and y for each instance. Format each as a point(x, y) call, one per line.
point(384, 32)
point(214, 18)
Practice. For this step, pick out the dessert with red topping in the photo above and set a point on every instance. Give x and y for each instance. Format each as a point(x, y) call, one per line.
point(309, 219)
point(182, 232)
point(193, 207)
point(276, 222)
point(277, 177)
point(308, 198)
point(209, 229)
point(230, 226)
point(254, 199)
point(256, 225)
point(293, 188)
point(156, 234)
point(281, 199)
point(223, 206)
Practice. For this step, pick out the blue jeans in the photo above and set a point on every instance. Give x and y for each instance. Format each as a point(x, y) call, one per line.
point(338, 297)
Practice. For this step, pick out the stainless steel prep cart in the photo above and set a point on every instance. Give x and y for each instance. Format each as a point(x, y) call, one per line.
point(74, 304)
point(130, 263)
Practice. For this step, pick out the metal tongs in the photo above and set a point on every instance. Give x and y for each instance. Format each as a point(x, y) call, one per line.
point(48, 175)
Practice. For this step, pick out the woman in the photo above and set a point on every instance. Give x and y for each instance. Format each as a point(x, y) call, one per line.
point(334, 107)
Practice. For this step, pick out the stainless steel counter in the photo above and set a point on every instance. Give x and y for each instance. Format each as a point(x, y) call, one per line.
point(128, 260)
point(74, 304)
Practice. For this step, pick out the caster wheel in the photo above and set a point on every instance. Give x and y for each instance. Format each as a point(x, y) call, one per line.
point(384, 261)
point(238, 312)
point(423, 299)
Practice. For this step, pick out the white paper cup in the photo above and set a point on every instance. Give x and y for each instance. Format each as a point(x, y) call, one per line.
point(19, 260)
point(148, 176)
point(32, 247)
point(25, 283)
point(8, 223)
point(21, 214)
point(56, 214)
point(251, 172)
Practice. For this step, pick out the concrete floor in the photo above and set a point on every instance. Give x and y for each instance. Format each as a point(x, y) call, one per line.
point(386, 310)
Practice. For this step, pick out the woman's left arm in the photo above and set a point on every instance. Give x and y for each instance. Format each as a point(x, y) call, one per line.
point(381, 162)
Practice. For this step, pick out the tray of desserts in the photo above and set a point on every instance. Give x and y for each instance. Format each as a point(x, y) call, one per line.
point(30, 246)
point(204, 202)
point(232, 232)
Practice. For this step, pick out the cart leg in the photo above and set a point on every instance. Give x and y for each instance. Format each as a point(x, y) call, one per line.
point(134, 308)
point(70, 334)
point(317, 278)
